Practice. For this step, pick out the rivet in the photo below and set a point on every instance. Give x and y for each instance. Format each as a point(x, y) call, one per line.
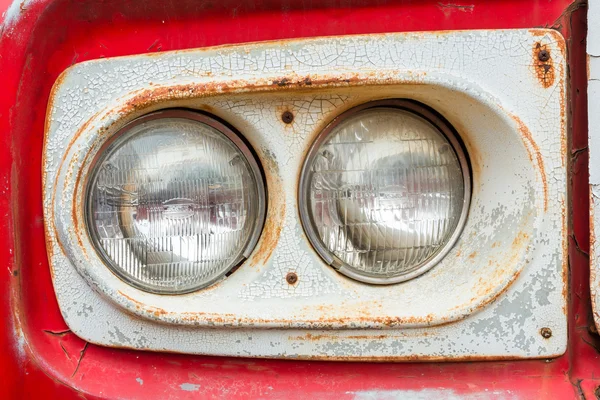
point(291, 278)
point(546, 333)
point(543, 55)
point(287, 117)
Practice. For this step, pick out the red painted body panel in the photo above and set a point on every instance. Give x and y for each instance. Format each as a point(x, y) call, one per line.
point(41, 358)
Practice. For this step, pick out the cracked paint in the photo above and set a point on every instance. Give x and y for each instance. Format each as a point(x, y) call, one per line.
point(502, 282)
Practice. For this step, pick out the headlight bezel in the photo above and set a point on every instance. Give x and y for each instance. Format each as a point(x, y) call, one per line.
point(512, 243)
point(306, 217)
point(124, 134)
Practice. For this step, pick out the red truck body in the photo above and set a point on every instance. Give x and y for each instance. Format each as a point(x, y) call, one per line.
point(41, 358)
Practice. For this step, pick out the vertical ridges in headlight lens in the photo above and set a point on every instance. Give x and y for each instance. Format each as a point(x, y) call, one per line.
point(174, 202)
point(386, 193)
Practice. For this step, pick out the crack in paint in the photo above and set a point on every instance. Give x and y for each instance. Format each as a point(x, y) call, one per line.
point(81, 354)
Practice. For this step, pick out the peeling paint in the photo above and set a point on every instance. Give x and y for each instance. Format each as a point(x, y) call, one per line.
point(13, 13)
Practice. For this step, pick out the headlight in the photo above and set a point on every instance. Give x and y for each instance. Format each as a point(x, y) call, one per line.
point(385, 191)
point(175, 202)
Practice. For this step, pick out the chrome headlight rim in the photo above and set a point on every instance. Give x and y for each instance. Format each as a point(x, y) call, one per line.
point(125, 133)
point(306, 217)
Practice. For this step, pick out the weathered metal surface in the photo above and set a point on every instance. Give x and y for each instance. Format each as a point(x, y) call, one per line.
point(46, 36)
point(506, 273)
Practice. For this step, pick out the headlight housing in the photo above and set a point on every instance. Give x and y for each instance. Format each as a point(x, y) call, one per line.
point(385, 191)
point(174, 202)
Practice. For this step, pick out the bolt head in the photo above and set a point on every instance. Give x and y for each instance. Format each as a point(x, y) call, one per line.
point(544, 55)
point(546, 333)
point(287, 117)
point(291, 278)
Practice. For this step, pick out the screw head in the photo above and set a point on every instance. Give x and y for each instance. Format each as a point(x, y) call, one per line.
point(546, 333)
point(291, 278)
point(287, 117)
point(543, 55)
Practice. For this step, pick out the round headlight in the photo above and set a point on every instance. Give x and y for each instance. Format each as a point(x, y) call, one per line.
point(174, 202)
point(385, 191)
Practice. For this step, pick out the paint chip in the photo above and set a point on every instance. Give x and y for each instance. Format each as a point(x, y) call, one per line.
point(189, 387)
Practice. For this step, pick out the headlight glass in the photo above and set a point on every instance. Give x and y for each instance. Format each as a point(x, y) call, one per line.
point(175, 202)
point(385, 191)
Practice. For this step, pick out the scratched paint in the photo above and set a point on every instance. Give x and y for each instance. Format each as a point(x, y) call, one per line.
point(502, 282)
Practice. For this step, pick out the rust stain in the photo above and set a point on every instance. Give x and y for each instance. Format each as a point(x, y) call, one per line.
point(565, 249)
point(275, 217)
point(587, 67)
point(228, 319)
point(534, 154)
point(561, 48)
point(49, 220)
point(487, 286)
point(563, 120)
point(544, 69)
point(472, 152)
point(408, 358)
point(141, 306)
point(449, 8)
point(520, 239)
point(146, 98)
point(314, 338)
point(208, 108)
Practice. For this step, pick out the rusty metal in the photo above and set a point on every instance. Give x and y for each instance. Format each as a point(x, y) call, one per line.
point(287, 117)
point(546, 333)
point(291, 278)
point(543, 64)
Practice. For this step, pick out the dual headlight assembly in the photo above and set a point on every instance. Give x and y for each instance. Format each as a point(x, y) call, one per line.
point(177, 200)
point(271, 199)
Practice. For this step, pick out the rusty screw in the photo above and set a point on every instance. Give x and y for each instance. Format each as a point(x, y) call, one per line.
point(543, 55)
point(287, 117)
point(546, 333)
point(291, 278)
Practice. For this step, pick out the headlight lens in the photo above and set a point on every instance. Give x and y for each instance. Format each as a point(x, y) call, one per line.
point(175, 202)
point(385, 191)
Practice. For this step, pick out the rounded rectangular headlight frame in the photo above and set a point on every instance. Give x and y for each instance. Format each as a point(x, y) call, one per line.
point(510, 259)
